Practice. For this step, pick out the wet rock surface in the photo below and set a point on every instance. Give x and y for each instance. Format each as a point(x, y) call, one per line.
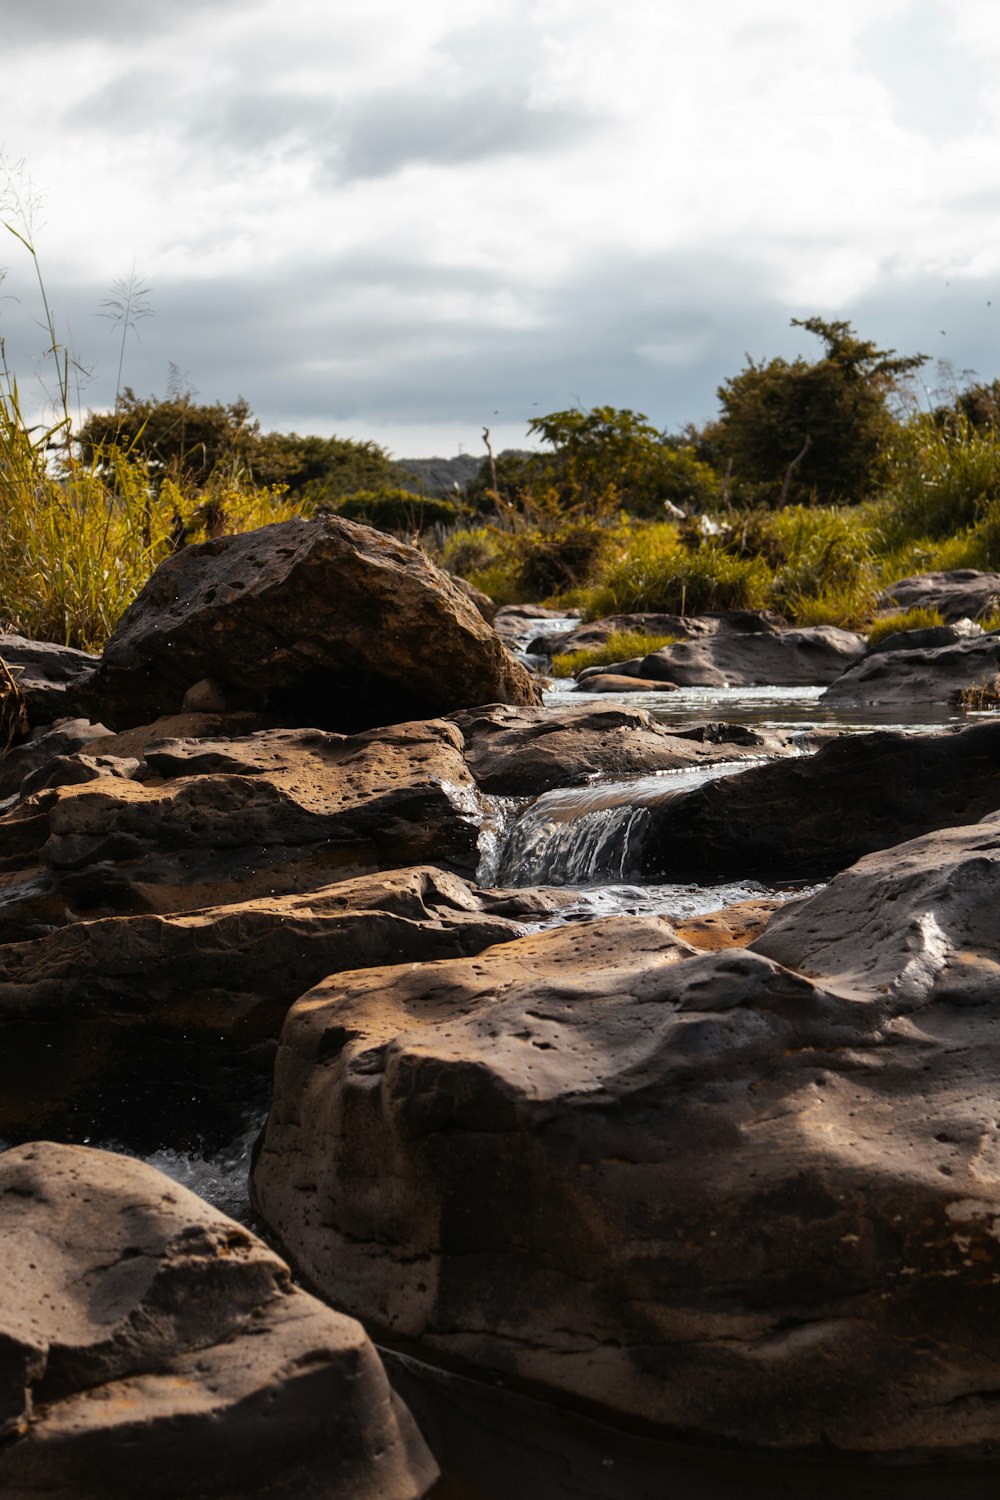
point(930, 675)
point(152, 1346)
point(322, 623)
point(524, 751)
point(808, 817)
point(737, 1201)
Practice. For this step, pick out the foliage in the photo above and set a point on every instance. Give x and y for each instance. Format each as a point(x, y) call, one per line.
point(396, 510)
point(621, 645)
point(657, 574)
point(909, 619)
point(812, 432)
point(939, 481)
point(469, 551)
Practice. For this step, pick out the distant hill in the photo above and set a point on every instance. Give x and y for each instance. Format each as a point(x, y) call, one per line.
point(442, 476)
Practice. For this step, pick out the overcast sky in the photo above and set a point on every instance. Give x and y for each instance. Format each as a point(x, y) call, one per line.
point(407, 221)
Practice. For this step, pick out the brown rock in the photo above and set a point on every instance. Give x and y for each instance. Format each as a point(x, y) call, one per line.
point(703, 1192)
point(733, 926)
point(962, 593)
point(930, 676)
point(153, 1347)
point(618, 683)
point(213, 821)
point(324, 623)
point(783, 658)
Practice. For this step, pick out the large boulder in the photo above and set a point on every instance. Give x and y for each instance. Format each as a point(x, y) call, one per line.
point(162, 1027)
point(928, 676)
point(523, 751)
point(324, 623)
point(810, 816)
point(53, 679)
point(191, 822)
point(151, 1346)
point(806, 657)
point(961, 593)
point(709, 1193)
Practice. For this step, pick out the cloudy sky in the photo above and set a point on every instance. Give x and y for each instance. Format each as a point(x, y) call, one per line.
point(407, 221)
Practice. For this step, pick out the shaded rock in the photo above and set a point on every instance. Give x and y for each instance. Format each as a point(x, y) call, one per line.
point(484, 604)
point(52, 678)
point(516, 624)
point(811, 816)
point(958, 593)
point(684, 627)
point(704, 1192)
point(114, 1027)
point(44, 744)
point(929, 676)
point(206, 822)
point(524, 751)
point(620, 682)
point(323, 622)
point(780, 658)
point(153, 1346)
point(929, 638)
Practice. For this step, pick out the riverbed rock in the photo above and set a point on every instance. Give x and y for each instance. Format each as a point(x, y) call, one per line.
point(929, 677)
point(735, 926)
point(957, 593)
point(160, 1027)
point(52, 678)
point(520, 752)
point(617, 683)
point(929, 637)
point(154, 1347)
point(811, 816)
point(704, 1192)
point(202, 822)
point(684, 627)
point(805, 657)
point(45, 744)
point(324, 623)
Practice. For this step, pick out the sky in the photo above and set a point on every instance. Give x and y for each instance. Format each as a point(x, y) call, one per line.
point(407, 222)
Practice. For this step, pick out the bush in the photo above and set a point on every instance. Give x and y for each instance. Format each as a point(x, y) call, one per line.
point(621, 645)
point(656, 574)
point(397, 511)
point(940, 481)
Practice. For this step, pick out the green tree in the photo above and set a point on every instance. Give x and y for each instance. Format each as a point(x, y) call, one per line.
point(799, 431)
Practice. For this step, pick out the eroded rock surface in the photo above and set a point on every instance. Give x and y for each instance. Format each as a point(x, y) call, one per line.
point(524, 751)
point(811, 816)
point(927, 676)
point(151, 1346)
point(117, 1027)
point(52, 678)
point(781, 658)
point(704, 1191)
point(321, 622)
point(185, 823)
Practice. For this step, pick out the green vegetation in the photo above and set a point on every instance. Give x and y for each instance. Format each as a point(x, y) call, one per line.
point(621, 645)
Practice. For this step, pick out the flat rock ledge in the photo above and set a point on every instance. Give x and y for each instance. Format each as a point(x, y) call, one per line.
point(151, 1346)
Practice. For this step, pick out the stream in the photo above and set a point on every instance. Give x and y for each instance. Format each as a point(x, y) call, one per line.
point(495, 1444)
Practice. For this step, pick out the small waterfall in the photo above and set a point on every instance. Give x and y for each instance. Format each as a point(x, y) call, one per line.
point(583, 835)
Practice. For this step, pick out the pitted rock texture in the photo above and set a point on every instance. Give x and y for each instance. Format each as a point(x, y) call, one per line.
point(113, 1028)
point(151, 1346)
point(322, 622)
point(706, 1192)
point(962, 593)
point(932, 676)
point(523, 751)
point(783, 658)
point(811, 816)
point(187, 823)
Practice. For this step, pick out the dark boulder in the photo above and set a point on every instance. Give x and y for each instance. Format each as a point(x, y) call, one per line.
point(52, 678)
point(932, 676)
point(961, 593)
point(324, 623)
point(781, 658)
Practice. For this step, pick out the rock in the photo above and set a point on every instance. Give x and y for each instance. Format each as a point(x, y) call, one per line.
point(811, 816)
point(960, 592)
point(520, 752)
point(700, 1192)
point(483, 603)
point(52, 678)
point(925, 677)
point(928, 638)
point(733, 926)
point(324, 623)
point(44, 745)
point(113, 1028)
point(152, 1346)
point(684, 627)
point(619, 682)
point(206, 822)
point(516, 624)
point(781, 658)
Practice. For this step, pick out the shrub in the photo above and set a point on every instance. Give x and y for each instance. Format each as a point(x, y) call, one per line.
point(940, 481)
point(656, 574)
point(395, 510)
point(621, 645)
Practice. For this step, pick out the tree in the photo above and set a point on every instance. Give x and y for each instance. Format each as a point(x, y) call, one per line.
point(802, 432)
